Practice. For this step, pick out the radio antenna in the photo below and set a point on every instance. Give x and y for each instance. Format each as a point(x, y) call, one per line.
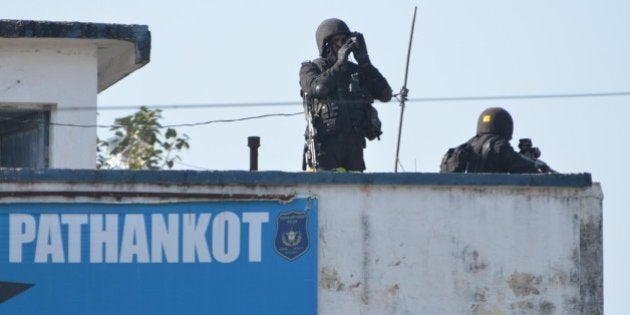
point(404, 91)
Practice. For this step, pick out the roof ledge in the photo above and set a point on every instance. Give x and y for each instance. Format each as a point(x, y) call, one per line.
point(122, 49)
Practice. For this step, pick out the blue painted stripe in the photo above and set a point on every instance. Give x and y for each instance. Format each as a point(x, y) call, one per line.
point(275, 178)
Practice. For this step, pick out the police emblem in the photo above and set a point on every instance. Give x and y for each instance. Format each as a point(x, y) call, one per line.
point(291, 240)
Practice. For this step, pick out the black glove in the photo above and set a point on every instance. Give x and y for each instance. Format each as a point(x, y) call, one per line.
point(345, 50)
point(360, 53)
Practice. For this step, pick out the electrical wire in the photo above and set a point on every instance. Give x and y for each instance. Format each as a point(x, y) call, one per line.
point(411, 100)
point(297, 103)
point(25, 121)
point(517, 97)
point(191, 106)
point(192, 166)
point(289, 103)
point(232, 120)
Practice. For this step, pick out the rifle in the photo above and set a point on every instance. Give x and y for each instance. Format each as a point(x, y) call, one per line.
point(404, 91)
point(527, 149)
point(310, 152)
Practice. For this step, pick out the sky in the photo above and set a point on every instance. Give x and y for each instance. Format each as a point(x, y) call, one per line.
point(224, 55)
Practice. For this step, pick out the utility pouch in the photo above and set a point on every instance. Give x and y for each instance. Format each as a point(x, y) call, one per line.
point(373, 124)
point(328, 121)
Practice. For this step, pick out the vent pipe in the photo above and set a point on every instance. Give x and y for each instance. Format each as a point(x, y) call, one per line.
point(253, 143)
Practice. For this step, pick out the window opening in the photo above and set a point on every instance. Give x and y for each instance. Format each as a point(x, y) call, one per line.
point(24, 138)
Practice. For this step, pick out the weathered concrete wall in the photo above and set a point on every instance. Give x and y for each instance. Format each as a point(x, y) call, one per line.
point(402, 243)
point(460, 250)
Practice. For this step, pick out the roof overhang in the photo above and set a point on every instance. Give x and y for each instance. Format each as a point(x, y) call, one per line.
point(121, 48)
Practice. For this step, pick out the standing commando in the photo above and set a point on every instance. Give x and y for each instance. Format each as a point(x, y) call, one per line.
point(338, 96)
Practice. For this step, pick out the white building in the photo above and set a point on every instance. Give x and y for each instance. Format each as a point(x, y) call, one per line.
point(50, 75)
point(111, 242)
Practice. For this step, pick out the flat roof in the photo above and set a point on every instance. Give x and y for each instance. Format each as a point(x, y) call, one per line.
point(277, 178)
point(122, 48)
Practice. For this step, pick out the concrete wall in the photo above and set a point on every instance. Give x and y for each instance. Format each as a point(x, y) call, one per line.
point(402, 243)
point(459, 250)
point(61, 74)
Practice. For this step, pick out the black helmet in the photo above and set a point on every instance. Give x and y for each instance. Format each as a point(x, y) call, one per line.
point(327, 29)
point(495, 120)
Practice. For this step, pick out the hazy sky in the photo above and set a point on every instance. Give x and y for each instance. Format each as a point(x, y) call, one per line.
point(231, 52)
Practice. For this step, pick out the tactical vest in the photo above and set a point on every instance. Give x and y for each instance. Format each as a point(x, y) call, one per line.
point(347, 111)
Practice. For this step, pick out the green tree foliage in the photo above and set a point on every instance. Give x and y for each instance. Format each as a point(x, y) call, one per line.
point(138, 143)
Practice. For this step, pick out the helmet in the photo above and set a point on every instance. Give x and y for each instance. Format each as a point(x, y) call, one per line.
point(495, 120)
point(327, 29)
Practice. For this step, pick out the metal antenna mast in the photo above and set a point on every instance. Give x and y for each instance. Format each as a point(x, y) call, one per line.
point(404, 91)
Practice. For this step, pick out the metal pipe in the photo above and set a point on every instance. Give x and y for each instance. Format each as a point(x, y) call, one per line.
point(253, 143)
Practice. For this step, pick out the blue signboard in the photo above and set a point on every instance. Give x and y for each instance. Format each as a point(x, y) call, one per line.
point(232, 257)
